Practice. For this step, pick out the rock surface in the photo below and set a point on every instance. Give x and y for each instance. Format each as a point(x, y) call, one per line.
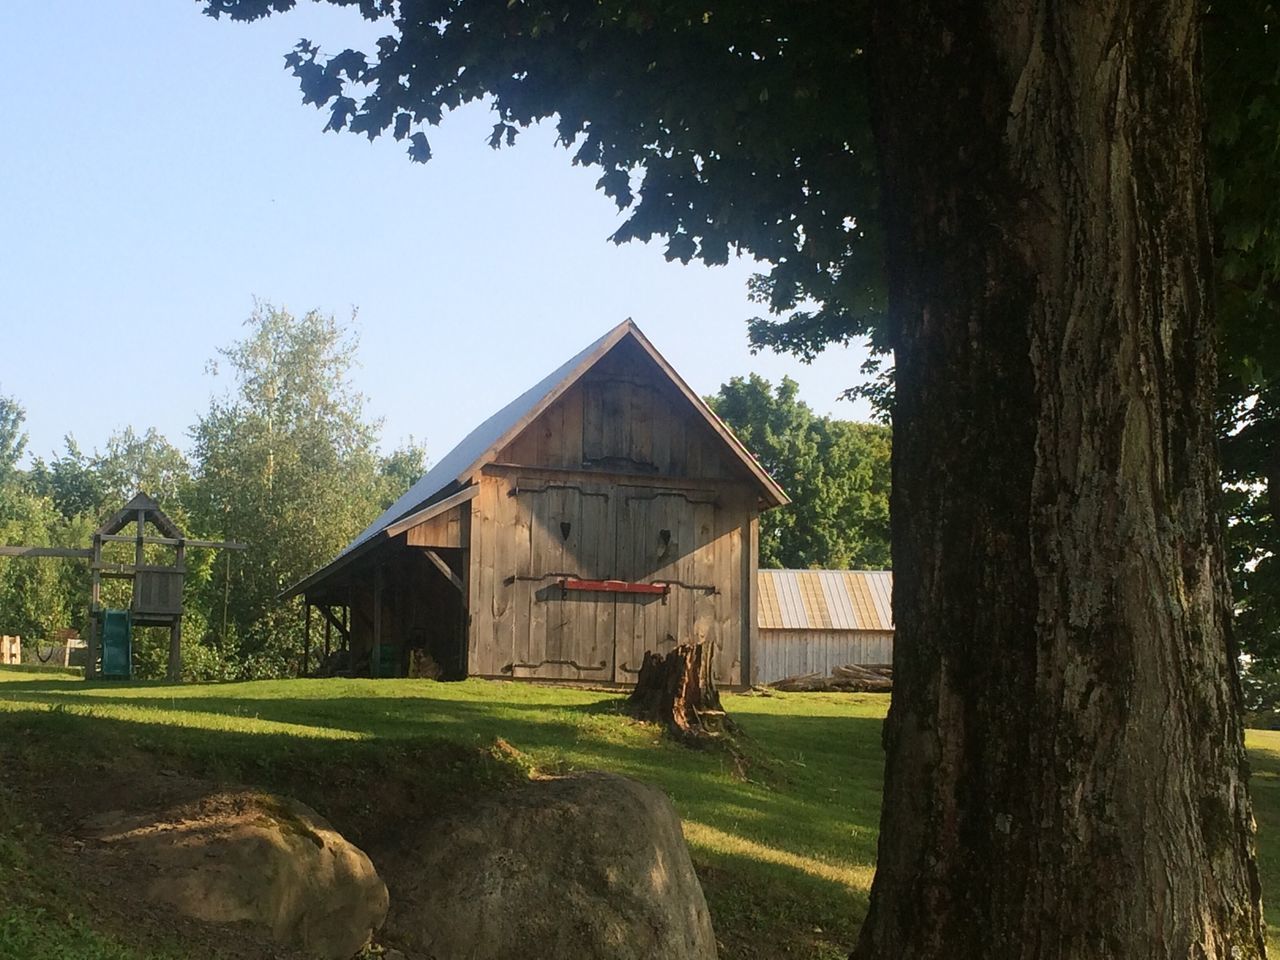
point(249, 857)
point(588, 867)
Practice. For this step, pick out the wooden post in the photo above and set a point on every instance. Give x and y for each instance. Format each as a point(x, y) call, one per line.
point(327, 625)
point(175, 628)
point(95, 600)
point(226, 600)
point(375, 658)
point(751, 601)
point(174, 673)
point(306, 635)
point(463, 665)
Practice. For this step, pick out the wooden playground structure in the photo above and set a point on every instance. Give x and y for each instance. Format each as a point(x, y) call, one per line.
point(157, 588)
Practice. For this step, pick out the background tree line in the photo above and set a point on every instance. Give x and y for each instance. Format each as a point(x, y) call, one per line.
point(835, 471)
point(287, 461)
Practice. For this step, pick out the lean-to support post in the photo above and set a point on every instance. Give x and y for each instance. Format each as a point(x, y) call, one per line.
point(306, 634)
point(375, 658)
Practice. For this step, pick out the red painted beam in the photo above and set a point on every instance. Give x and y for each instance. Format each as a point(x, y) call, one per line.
point(613, 586)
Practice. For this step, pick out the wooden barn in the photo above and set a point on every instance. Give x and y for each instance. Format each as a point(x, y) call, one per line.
point(812, 621)
point(603, 513)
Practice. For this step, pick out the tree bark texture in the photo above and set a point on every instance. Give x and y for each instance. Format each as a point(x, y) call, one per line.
point(1066, 776)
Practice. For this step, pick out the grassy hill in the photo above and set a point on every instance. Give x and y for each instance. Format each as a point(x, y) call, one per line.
point(785, 847)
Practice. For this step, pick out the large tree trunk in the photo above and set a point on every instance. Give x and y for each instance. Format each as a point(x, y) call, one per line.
point(1066, 775)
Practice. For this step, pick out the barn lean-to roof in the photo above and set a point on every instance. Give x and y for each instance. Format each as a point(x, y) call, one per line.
point(447, 478)
point(825, 600)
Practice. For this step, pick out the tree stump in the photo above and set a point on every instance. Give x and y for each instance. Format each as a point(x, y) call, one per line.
point(679, 692)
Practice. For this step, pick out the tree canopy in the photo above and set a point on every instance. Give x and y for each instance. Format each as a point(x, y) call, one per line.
point(640, 93)
point(13, 441)
point(836, 473)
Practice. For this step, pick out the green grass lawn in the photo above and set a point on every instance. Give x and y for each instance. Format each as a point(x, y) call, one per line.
point(786, 856)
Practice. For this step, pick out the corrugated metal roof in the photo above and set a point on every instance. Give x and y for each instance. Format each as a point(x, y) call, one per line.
point(826, 599)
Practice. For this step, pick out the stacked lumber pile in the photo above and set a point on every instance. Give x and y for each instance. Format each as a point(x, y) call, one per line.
point(850, 678)
point(10, 650)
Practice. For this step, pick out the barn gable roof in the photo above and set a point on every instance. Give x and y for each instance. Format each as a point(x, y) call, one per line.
point(826, 599)
point(482, 444)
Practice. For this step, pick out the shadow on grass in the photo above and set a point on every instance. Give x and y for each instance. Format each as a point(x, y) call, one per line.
point(780, 855)
point(817, 789)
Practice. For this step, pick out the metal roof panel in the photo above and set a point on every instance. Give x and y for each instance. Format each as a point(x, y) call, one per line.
point(837, 597)
point(769, 613)
point(825, 599)
point(813, 599)
point(881, 583)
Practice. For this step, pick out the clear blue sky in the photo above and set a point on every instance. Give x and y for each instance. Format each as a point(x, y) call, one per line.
point(158, 172)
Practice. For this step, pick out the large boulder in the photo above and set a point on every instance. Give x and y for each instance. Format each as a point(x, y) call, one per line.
point(588, 867)
point(248, 857)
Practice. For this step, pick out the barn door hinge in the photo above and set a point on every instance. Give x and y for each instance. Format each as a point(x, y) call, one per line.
point(709, 589)
point(521, 578)
point(698, 501)
point(580, 667)
point(517, 489)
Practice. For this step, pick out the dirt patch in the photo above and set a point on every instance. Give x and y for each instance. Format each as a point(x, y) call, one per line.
point(66, 804)
point(71, 772)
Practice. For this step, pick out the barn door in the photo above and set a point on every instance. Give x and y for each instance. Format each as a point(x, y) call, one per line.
point(664, 536)
point(560, 634)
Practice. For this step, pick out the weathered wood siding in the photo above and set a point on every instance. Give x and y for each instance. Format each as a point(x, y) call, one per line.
point(617, 480)
point(788, 653)
point(157, 592)
point(623, 418)
point(693, 541)
point(10, 650)
point(535, 529)
point(442, 531)
point(609, 469)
